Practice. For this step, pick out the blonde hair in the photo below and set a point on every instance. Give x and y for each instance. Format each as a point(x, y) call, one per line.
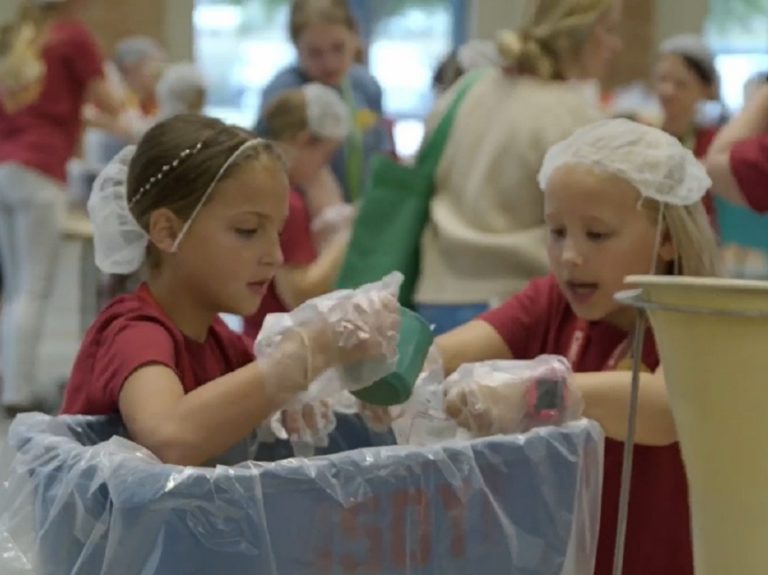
point(691, 234)
point(305, 13)
point(553, 30)
point(286, 117)
point(22, 67)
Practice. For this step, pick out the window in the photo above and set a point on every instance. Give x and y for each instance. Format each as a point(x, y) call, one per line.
point(737, 30)
point(241, 44)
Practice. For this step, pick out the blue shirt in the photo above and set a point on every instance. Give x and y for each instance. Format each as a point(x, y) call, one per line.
point(367, 95)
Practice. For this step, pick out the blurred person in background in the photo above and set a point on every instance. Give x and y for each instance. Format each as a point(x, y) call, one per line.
point(486, 237)
point(50, 67)
point(327, 43)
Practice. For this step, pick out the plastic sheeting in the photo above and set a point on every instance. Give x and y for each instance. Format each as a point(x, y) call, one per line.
point(78, 498)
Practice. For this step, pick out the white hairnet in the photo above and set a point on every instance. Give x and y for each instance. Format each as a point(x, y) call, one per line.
point(327, 114)
point(693, 47)
point(478, 54)
point(178, 89)
point(120, 243)
point(654, 162)
point(135, 49)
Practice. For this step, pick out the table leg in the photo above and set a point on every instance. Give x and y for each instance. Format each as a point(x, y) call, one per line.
point(89, 286)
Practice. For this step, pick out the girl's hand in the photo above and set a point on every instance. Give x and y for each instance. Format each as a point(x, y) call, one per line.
point(512, 396)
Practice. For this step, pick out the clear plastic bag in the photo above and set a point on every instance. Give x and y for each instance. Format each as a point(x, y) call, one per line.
point(77, 498)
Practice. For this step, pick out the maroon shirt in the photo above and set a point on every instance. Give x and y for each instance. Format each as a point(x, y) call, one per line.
point(539, 321)
point(44, 135)
point(749, 165)
point(133, 332)
point(298, 250)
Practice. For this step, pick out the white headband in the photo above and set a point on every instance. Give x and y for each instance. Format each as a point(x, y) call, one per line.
point(120, 242)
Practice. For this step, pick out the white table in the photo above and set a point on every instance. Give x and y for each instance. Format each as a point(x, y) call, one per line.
point(78, 228)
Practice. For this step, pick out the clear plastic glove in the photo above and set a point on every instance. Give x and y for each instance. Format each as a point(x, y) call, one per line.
point(512, 396)
point(331, 222)
point(378, 418)
point(345, 340)
point(306, 426)
point(422, 420)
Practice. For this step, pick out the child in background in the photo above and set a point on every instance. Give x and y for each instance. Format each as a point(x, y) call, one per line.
point(620, 199)
point(181, 90)
point(203, 203)
point(308, 125)
point(327, 43)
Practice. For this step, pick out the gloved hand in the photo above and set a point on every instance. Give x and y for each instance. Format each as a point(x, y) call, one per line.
point(512, 396)
point(305, 426)
point(345, 340)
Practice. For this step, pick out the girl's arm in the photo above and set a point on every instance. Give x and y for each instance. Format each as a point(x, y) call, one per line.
point(606, 400)
point(295, 285)
point(471, 343)
point(606, 394)
point(750, 123)
point(192, 428)
point(322, 193)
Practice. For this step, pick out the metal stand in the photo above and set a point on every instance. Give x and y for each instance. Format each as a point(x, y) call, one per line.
point(636, 299)
point(629, 445)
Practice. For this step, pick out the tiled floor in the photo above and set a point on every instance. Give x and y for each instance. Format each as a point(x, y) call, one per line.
point(62, 330)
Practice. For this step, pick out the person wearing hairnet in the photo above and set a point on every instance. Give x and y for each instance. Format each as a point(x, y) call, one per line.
point(486, 238)
point(140, 61)
point(620, 198)
point(327, 42)
point(686, 78)
point(473, 55)
point(182, 89)
point(308, 124)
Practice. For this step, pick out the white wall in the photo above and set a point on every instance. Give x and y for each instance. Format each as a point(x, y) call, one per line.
point(680, 17)
point(7, 9)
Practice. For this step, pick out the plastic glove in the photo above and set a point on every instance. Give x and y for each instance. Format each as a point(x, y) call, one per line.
point(345, 340)
point(306, 426)
point(331, 222)
point(422, 420)
point(377, 417)
point(512, 396)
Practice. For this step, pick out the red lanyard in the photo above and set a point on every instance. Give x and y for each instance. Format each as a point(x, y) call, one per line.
point(579, 343)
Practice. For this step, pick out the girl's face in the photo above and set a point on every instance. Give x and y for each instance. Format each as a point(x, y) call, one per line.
point(598, 235)
point(679, 88)
point(327, 52)
point(307, 156)
point(232, 249)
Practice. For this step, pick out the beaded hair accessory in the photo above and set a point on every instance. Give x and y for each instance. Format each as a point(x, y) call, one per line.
point(120, 242)
point(164, 172)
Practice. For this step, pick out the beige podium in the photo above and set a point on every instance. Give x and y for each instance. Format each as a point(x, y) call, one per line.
point(713, 342)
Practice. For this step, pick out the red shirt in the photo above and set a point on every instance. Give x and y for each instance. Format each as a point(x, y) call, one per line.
point(44, 135)
point(298, 250)
point(704, 139)
point(749, 165)
point(539, 321)
point(133, 332)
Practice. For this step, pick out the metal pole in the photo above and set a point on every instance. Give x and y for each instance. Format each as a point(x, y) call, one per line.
point(629, 445)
